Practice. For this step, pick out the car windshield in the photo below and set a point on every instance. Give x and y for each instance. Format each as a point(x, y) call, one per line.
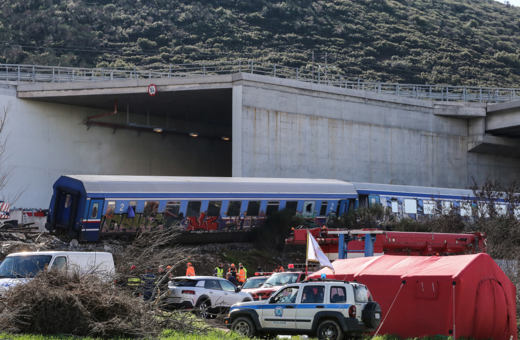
point(281, 279)
point(254, 283)
point(23, 266)
point(183, 283)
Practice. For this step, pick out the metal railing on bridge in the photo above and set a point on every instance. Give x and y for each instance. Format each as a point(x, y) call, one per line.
point(52, 74)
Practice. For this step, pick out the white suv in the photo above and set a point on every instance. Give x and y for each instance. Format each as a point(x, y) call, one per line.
point(329, 309)
point(206, 294)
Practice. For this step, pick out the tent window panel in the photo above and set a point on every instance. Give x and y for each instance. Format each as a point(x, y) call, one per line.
point(271, 208)
point(410, 206)
point(214, 208)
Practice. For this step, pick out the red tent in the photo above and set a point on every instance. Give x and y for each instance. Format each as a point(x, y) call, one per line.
point(485, 298)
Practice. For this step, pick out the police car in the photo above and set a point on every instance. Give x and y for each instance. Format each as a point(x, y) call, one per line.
point(328, 309)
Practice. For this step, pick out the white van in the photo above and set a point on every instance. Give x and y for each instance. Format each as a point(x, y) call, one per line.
point(19, 267)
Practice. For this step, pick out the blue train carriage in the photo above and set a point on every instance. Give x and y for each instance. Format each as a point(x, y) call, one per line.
point(414, 201)
point(90, 207)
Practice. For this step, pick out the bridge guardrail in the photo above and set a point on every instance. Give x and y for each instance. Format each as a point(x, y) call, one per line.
point(58, 74)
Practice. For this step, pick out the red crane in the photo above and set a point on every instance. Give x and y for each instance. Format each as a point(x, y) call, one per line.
point(393, 242)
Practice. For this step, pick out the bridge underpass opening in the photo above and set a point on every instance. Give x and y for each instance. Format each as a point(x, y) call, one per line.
point(177, 133)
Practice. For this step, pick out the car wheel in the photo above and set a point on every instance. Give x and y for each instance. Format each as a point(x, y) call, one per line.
point(244, 327)
point(203, 309)
point(330, 330)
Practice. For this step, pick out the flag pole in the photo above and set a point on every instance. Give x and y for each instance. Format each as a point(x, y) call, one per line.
point(307, 256)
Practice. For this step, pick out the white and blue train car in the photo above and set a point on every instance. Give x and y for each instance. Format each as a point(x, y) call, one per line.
point(411, 201)
point(89, 207)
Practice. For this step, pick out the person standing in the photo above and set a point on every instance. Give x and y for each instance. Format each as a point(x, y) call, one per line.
point(240, 266)
point(279, 269)
point(241, 275)
point(231, 278)
point(190, 271)
point(233, 270)
point(219, 271)
point(148, 284)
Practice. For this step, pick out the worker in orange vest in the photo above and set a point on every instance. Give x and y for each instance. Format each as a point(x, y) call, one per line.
point(190, 271)
point(241, 275)
point(279, 269)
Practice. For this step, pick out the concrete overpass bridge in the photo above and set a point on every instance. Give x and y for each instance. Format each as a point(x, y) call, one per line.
point(255, 120)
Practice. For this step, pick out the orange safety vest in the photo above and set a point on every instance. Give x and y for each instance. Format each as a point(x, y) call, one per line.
point(279, 270)
point(190, 271)
point(241, 275)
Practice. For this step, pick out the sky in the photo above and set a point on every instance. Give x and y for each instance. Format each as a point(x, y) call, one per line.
point(512, 2)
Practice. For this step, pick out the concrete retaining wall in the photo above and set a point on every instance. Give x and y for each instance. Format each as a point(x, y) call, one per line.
point(288, 132)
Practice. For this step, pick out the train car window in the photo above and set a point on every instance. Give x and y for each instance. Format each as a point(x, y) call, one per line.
point(234, 208)
point(351, 204)
point(483, 211)
point(253, 208)
point(501, 209)
point(95, 208)
point(133, 204)
point(111, 209)
point(172, 209)
point(68, 201)
point(308, 208)
point(446, 207)
point(214, 208)
point(193, 209)
point(291, 206)
point(410, 206)
point(151, 208)
point(271, 208)
point(395, 205)
point(429, 207)
point(465, 209)
point(323, 209)
point(363, 201)
point(517, 212)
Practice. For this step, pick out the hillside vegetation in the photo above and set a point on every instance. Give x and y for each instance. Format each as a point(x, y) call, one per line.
point(457, 42)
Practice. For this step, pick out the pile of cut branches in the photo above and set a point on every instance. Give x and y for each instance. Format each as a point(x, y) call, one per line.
point(85, 303)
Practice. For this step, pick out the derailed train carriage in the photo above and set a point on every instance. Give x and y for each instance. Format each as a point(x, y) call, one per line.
point(208, 209)
point(224, 209)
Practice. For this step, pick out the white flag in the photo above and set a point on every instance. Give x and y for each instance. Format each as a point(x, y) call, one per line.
point(315, 254)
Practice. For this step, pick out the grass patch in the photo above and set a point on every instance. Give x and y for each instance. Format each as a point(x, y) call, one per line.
point(214, 335)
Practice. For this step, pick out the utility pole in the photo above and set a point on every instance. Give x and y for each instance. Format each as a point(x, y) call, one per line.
point(313, 66)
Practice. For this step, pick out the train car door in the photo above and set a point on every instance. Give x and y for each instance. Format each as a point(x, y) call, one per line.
point(65, 210)
point(92, 224)
point(343, 207)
